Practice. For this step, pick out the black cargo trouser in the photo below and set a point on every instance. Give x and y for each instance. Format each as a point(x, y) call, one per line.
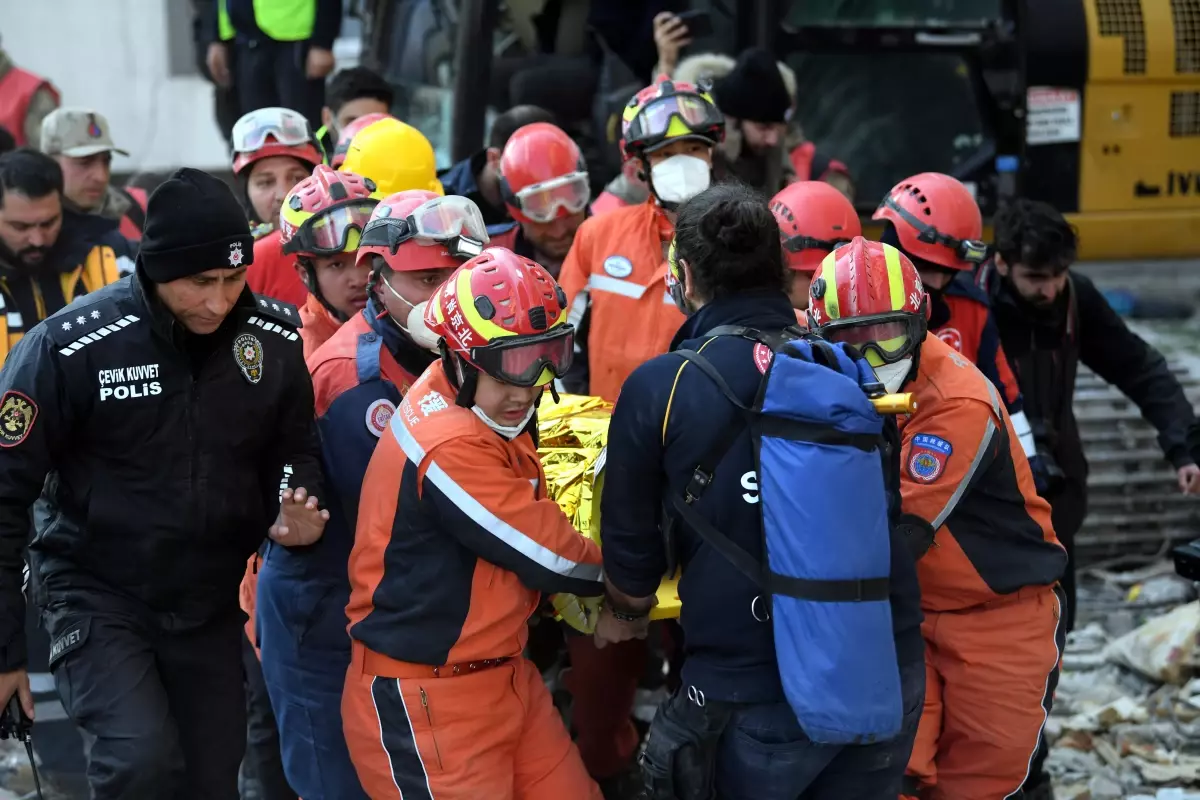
point(163, 712)
point(271, 73)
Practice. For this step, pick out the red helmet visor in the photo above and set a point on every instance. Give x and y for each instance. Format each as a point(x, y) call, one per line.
point(522, 361)
point(251, 131)
point(449, 219)
point(328, 232)
point(890, 337)
point(542, 201)
point(653, 121)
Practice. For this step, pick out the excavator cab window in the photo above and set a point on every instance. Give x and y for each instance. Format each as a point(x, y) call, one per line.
point(905, 86)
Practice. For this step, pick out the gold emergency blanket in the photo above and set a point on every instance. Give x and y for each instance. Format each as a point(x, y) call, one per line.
point(572, 435)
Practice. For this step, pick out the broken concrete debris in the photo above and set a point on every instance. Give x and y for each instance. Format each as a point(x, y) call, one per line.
point(1126, 719)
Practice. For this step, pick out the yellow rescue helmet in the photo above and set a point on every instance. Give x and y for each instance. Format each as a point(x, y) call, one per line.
point(395, 155)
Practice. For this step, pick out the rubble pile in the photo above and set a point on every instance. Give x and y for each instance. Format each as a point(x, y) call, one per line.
point(1126, 720)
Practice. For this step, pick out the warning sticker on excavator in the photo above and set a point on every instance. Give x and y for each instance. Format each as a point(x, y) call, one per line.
point(1053, 115)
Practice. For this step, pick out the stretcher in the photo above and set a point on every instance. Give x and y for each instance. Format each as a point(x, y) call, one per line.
point(572, 437)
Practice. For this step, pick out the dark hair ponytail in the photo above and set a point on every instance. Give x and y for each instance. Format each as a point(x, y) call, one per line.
point(730, 240)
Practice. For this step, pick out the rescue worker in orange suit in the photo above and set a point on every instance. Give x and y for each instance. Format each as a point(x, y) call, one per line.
point(321, 224)
point(412, 244)
point(616, 270)
point(273, 151)
point(989, 562)
point(456, 542)
point(933, 219)
point(544, 181)
point(814, 219)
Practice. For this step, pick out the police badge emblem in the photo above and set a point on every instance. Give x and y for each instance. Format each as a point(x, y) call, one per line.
point(17, 415)
point(248, 353)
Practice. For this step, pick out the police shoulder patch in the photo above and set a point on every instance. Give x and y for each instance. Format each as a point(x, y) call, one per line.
point(927, 457)
point(18, 412)
point(379, 414)
point(86, 322)
point(277, 311)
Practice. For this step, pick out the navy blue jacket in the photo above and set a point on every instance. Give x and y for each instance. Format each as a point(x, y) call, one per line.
point(663, 425)
point(460, 180)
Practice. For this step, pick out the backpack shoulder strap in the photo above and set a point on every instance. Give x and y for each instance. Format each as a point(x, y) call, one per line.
point(702, 475)
point(705, 366)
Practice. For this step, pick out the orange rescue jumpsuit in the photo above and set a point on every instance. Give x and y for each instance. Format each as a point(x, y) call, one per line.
point(988, 585)
point(615, 275)
point(273, 273)
point(319, 325)
point(456, 541)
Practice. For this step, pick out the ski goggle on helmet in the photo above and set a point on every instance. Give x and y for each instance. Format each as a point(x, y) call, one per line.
point(325, 213)
point(505, 315)
point(869, 295)
point(541, 202)
point(450, 221)
point(666, 111)
point(282, 124)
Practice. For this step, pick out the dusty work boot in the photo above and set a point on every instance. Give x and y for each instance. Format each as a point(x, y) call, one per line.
point(1038, 787)
point(626, 785)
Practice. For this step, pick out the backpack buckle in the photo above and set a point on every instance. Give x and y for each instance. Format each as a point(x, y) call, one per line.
point(698, 485)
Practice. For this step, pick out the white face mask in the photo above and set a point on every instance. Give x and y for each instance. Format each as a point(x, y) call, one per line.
point(509, 432)
point(892, 375)
point(680, 178)
point(415, 329)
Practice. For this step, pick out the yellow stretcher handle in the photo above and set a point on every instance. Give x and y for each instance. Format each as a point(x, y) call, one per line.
point(895, 403)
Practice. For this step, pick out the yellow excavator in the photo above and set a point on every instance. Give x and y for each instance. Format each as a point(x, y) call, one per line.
point(1090, 105)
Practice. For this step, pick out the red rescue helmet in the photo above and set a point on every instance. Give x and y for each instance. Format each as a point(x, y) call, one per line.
point(543, 175)
point(504, 315)
point(869, 294)
point(668, 111)
point(268, 132)
point(325, 213)
point(936, 220)
point(416, 230)
point(814, 218)
point(347, 135)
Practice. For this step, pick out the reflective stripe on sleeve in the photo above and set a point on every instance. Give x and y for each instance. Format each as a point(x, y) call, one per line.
point(485, 519)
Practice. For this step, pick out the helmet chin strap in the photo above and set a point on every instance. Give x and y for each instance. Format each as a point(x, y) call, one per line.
point(314, 288)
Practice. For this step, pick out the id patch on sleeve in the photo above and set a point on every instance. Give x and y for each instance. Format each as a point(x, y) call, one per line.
point(69, 640)
point(18, 412)
point(927, 457)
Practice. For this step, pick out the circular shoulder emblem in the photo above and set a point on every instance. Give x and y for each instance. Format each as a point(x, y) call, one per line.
point(248, 353)
point(379, 414)
point(925, 466)
point(762, 357)
point(618, 266)
point(952, 337)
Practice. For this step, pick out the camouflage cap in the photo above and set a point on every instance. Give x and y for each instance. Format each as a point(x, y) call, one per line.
point(77, 132)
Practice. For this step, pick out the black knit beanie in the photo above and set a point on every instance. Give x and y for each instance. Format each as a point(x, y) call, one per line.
point(194, 223)
point(754, 90)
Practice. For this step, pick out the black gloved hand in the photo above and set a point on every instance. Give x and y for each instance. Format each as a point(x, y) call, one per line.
point(918, 534)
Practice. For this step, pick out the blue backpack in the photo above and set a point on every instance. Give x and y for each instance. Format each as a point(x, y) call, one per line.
point(825, 528)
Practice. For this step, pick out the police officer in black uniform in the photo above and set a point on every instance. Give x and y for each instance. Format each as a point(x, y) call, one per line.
point(170, 417)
